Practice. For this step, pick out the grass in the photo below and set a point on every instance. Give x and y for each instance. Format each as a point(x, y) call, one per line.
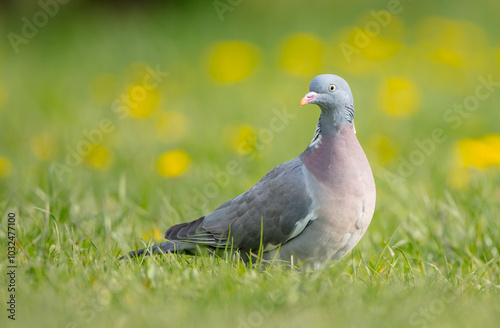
point(429, 259)
point(436, 268)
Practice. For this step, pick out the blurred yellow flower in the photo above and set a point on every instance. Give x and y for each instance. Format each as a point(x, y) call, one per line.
point(5, 167)
point(43, 146)
point(447, 57)
point(142, 101)
point(232, 61)
point(387, 42)
point(459, 178)
point(363, 49)
point(240, 138)
point(498, 57)
point(104, 88)
point(480, 153)
point(384, 148)
point(171, 125)
point(99, 158)
point(454, 43)
point(350, 57)
point(156, 235)
point(302, 54)
point(173, 163)
point(381, 48)
point(399, 97)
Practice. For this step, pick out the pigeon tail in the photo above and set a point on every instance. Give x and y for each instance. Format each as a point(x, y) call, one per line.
point(166, 247)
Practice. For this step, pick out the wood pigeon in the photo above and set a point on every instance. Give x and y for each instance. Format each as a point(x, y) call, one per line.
point(313, 208)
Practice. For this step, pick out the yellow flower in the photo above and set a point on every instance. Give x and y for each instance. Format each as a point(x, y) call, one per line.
point(43, 146)
point(5, 167)
point(104, 88)
point(498, 57)
point(302, 54)
point(458, 44)
point(387, 42)
point(363, 49)
point(399, 97)
point(143, 101)
point(173, 163)
point(447, 57)
point(232, 61)
point(350, 57)
point(450, 54)
point(384, 148)
point(480, 153)
point(156, 235)
point(99, 158)
point(240, 138)
point(381, 48)
point(171, 125)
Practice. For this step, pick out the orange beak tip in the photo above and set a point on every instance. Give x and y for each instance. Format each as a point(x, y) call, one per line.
point(308, 98)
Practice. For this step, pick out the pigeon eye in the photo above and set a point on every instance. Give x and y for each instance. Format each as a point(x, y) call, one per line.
point(332, 87)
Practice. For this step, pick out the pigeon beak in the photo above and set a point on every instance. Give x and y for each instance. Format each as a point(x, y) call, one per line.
point(308, 98)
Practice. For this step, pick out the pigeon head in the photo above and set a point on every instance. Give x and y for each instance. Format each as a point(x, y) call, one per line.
point(328, 92)
point(332, 94)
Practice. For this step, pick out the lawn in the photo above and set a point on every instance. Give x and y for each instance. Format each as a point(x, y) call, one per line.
point(117, 123)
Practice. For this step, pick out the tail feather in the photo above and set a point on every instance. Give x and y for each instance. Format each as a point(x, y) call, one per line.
point(166, 247)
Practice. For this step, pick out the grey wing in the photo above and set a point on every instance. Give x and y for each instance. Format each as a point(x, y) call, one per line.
point(276, 209)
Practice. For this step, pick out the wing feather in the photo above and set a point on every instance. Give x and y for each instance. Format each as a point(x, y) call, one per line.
point(279, 204)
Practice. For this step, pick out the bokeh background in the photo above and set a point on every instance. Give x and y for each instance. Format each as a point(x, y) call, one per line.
point(228, 66)
point(115, 161)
